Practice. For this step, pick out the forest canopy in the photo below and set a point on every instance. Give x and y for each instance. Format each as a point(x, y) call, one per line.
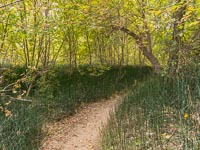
point(56, 55)
point(42, 33)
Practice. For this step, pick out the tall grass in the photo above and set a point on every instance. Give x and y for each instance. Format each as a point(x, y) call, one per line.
point(57, 94)
point(158, 114)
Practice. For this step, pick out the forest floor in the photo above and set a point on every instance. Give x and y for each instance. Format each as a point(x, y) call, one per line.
point(82, 130)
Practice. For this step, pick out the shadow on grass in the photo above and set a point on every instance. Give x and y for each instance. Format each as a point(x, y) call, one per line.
point(159, 113)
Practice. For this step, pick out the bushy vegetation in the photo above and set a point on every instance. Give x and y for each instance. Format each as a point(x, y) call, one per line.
point(161, 113)
point(57, 94)
point(42, 34)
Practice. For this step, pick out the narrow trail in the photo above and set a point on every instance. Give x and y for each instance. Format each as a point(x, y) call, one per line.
point(82, 130)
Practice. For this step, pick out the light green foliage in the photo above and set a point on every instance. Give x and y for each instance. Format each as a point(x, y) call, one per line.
point(44, 32)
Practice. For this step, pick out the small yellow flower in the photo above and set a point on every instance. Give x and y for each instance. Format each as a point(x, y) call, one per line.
point(186, 115)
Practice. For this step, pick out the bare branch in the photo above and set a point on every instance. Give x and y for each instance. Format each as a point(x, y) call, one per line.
point(5, 88)
point(2, 91)
point(127, 31)
point(20, 99)
point(10, 3)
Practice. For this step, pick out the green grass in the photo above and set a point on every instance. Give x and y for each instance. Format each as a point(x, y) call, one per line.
point(160, 114)
point(57, 94)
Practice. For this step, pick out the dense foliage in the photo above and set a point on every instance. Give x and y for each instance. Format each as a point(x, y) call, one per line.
point(39, 38)
point(110, 32)
point(57, 94)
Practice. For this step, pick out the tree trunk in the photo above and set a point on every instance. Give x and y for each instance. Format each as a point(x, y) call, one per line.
point(173, 61)
point(144, 49)
point(89, 47)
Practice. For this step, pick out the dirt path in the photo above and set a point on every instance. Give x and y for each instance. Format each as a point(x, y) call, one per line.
point(81, 131)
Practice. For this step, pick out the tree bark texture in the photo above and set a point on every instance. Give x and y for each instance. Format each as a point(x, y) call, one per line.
point(144, 49)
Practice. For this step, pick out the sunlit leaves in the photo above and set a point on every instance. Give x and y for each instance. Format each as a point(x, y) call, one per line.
point(32, 20)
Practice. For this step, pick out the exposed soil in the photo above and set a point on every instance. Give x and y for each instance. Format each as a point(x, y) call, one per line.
point(82, 130)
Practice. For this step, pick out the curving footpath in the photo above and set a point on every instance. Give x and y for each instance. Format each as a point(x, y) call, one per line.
point(82, 130)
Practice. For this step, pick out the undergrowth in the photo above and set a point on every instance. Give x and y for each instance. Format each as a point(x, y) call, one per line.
point(158, 114)
point(56, 94)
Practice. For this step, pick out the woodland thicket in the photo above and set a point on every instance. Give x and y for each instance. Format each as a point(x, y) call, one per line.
point(55, 54)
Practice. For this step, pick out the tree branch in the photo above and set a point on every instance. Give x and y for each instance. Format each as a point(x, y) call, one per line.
point(10, 3)
point(144, 49)
point(127, 31)
point(20, 99)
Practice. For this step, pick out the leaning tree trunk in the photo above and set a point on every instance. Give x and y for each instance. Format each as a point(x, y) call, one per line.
point(154, 61)
point(144, 49)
